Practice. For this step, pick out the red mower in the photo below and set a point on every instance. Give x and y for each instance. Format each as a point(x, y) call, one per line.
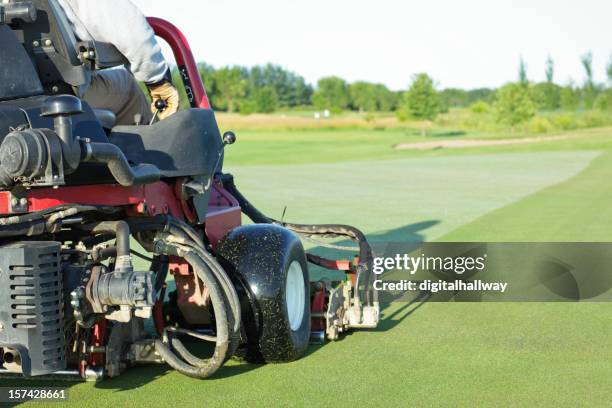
point(77, 192)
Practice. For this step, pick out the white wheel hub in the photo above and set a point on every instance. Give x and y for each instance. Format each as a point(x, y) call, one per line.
point(295, 295)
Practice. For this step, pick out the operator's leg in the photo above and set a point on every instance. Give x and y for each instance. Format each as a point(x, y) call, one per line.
point(117, 90)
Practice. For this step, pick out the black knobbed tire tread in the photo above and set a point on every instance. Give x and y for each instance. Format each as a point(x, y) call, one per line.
point(258, 258)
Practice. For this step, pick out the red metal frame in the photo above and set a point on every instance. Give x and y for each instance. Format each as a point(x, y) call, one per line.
point(184, 59)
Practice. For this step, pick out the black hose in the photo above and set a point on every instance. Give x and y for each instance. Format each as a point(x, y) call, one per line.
point(230, 297)
point(195, 371)
point(120, 229)
point(160, 264)
point(35, 223)
point(104, 253)
point(194, 252)
point(183, 230)
point(35, 227)
point(200, 368)
point(39, 215)
point(118, 165)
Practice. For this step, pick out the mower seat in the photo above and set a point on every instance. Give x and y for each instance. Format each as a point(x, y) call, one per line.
point(187, 143)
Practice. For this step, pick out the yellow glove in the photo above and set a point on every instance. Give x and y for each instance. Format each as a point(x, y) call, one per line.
point(166, 92)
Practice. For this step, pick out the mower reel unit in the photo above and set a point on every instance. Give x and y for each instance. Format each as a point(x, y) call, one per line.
point(77, 193)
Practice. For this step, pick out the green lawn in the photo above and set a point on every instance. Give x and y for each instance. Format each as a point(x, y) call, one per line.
point(423, 354)
point(577, 209)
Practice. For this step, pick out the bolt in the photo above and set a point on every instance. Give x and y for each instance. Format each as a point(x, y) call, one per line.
point(36, 44)
point(48, 42)
point(23, 201)
point(14, 202)
point(55, 89)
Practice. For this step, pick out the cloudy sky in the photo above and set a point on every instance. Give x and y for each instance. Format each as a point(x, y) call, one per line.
point(460, 43)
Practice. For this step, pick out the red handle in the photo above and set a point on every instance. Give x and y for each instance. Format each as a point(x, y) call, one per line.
point(194, 87)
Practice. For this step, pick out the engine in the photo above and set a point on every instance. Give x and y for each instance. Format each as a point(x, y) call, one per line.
point(53, 298)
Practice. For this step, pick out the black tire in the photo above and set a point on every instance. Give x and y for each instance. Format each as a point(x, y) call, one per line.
point(266, 261)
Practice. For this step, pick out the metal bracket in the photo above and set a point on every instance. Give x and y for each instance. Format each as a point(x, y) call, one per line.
point(18, 202)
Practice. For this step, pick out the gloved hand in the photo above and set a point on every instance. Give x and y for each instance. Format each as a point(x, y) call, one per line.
point(167, 92)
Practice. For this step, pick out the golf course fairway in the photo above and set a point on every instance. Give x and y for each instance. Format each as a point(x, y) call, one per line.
point(422, 354)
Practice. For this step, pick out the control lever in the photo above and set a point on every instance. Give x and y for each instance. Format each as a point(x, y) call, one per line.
point(229, 138)
point(160, 106)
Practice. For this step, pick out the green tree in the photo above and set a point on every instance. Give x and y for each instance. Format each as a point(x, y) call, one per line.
point(421, 101)
point(550, 70)
point(332, 93)
point(588, 90)
point(368, 97)
point(291, 89)
point(603, 102)
point(266, 100)
point(480, 107)
point(523, 80)
point(207, 74)
point(230, 88)
point(609, 71)
point(546, 95)
point(513, 105)
point(453, 97)
point(363, 96)
point(386, 100)
point(569, 97)
point(459, 98)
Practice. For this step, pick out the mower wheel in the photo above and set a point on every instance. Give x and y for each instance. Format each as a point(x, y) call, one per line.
point(269, 268)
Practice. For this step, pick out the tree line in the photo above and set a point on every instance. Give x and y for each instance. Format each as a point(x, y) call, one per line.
point(269, 87)
point(514, 103)
point(266, 88)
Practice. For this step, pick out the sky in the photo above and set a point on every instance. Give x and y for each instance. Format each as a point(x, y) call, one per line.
point(460, 43)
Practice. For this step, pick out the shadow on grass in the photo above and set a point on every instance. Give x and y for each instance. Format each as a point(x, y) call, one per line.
point(384, 243)
point(392, 317)
point(452, 133)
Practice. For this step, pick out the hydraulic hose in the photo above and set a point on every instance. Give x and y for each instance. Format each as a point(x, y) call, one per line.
point(182, 360)
point(40, 222)
point(121, 230)
point(177, 238)
point(182, 233)
point(118, 165)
